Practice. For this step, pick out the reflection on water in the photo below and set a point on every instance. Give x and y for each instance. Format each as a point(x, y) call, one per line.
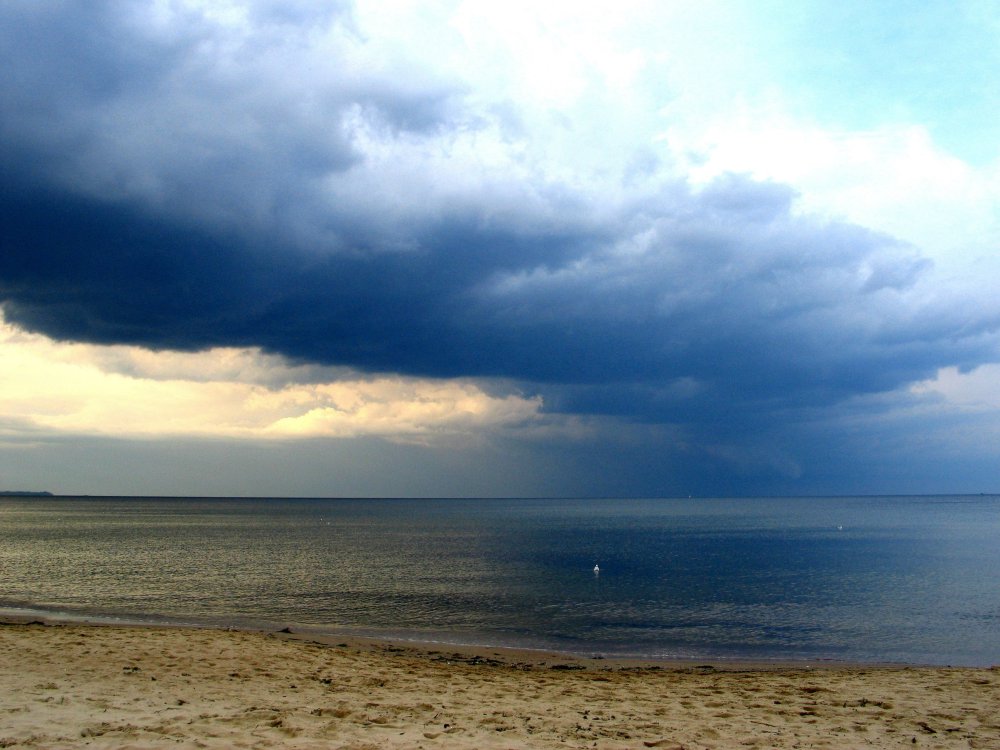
point(897, 579)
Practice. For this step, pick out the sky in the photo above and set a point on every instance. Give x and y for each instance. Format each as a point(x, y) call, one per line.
point(305, 248)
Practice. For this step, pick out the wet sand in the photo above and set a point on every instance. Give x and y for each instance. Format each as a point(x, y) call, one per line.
point(70, 685)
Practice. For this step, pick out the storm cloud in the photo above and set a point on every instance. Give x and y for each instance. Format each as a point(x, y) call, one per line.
point(175, 179)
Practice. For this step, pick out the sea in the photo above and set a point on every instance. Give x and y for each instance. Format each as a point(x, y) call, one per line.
point(912, 580)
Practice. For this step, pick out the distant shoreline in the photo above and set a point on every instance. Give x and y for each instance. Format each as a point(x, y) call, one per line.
point(488, 498)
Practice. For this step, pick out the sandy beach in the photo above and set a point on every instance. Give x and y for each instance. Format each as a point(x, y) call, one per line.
point(68, 685)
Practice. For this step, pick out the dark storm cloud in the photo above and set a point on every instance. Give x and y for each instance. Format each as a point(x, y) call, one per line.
point(198, 120)
point(178, 184)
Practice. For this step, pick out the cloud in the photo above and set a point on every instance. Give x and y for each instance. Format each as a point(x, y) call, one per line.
point(894, 179)
point(202, 113)
point(122, 391)
point(973, 390)
point(338, 221)
point(724, 286)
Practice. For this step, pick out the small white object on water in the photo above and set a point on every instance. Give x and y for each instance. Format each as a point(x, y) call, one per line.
point(597, 568)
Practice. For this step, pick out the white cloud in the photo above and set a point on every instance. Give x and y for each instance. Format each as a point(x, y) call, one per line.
point(123, 391)
point(977, 390)
point(689, 86)
point(894, 179)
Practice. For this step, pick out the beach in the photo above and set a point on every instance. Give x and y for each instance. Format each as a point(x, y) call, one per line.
point(75, 685)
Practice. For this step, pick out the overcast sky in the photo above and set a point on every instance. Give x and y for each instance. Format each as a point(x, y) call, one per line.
point(290, 247)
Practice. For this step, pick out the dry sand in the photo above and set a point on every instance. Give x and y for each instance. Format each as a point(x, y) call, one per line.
point(117, 687)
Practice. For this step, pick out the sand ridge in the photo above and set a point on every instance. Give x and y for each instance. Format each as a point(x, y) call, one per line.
point(128, 687)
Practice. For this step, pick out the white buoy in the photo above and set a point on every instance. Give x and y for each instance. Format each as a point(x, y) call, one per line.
point(597, 568)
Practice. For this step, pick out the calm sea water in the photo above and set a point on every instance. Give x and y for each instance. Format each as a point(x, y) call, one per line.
point(905, 579)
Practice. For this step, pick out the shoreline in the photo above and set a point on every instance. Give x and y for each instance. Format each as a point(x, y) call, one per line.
point(523, 654)
point(465, 653)
point(112, 686)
